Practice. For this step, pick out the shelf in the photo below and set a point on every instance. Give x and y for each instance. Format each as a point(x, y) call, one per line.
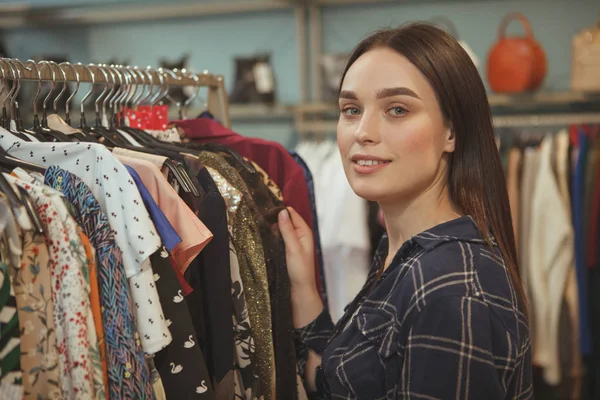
point(509, 121)
point(260, 111)
point(15, 15)
point(495, 100)
point(247, 112)
point(542, 98)
point(51, 16)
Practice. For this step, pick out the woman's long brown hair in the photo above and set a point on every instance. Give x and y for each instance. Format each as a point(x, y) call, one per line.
point(476, 179)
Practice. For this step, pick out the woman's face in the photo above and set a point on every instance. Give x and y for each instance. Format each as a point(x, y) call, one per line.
point(391, 132)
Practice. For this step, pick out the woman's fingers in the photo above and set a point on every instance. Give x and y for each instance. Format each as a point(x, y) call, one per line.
point(297, 220)
point(288, 232)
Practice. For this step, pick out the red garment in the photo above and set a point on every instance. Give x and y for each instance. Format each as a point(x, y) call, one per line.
point(270, 156)
point(185, 287)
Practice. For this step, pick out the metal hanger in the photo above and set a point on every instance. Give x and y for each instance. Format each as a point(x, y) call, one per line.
point(122, 94)
point(80, 134)
point(113, 105)
point(36, 118)
point(68, 101)
point(5, 120)
point(98, 129)
point(187, 180)
point(177, 103)
point(187, 103)
point(43, 129)
point(141, 136)
point(153, 145)
point(82, 121)
point(19, 122)
point(62, 91)
point(12, 103)
point(7, 163)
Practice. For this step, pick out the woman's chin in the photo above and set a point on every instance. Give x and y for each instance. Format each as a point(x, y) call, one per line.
point(370, 193)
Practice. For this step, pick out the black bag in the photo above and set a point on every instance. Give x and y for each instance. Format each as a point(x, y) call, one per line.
point(254, 80)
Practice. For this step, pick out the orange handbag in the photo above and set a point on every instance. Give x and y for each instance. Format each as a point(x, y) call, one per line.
point(518, 63)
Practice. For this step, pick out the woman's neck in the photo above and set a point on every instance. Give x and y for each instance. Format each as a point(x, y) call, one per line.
point(405, 219)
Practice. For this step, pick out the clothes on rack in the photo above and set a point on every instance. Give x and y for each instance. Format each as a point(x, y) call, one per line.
point(271, 157)
point(142, 267)
point(552, 181)
point(343, 220)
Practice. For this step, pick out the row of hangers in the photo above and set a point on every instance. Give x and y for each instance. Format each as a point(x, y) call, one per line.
point(121, 91)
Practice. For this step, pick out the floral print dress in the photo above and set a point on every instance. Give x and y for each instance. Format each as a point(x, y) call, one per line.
point(78, 353)
point(39, 351)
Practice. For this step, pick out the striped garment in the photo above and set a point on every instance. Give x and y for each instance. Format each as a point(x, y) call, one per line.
point(128, 374)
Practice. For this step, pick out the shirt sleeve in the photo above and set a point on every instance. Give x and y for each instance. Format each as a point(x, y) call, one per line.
point(313, 336)
point(457, 349)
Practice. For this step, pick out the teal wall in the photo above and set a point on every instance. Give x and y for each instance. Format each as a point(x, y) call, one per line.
point(213, 41)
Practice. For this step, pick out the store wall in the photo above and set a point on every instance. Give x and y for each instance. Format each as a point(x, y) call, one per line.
point(554, 22)
point(213, 41)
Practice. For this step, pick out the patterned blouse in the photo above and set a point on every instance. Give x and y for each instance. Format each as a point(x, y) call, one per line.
point(443, 321)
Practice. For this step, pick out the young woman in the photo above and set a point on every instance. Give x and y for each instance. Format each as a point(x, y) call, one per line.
point(442, 314)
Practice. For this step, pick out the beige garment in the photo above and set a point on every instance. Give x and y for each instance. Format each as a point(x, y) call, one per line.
point(571, 290)
point(32, 286)
point(225, 389)
point(159, 390)
point(56, 123)
point(158, 161)
point(512, 184)
point(193, 233)
point(531, 160)
point(550, 256)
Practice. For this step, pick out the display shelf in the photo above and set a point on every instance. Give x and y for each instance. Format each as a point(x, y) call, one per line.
point(503, 121)
point(14, 15)
point(328, 110)
point(246, 112)
point(526, 100)
point(86, 15)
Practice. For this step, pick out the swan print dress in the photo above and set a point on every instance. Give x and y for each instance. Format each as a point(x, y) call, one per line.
point(181, 364)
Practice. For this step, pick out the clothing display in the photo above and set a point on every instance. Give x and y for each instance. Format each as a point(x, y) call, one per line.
point(136, 265)
point(272, 157)
point(552, 182)
point(141, 258)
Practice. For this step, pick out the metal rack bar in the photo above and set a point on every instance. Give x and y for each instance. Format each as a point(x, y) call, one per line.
point(204, 79)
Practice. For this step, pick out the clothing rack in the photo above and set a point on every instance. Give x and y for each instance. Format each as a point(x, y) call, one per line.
point(48, 71)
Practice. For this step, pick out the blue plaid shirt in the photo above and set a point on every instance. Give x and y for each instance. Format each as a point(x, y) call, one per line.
point(442, 322)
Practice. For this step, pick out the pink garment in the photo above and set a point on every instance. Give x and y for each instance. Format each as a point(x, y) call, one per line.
point(155, 159)
point(193, 233)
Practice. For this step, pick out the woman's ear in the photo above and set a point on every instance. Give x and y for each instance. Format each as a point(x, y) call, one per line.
point(450, 137)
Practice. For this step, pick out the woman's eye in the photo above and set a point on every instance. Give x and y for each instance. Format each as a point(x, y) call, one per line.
point(351, 111)
point(397, 111)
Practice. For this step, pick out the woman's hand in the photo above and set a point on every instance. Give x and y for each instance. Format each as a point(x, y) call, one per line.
point(299, 251)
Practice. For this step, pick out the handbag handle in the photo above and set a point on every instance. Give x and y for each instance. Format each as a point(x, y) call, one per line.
point(511, 17)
